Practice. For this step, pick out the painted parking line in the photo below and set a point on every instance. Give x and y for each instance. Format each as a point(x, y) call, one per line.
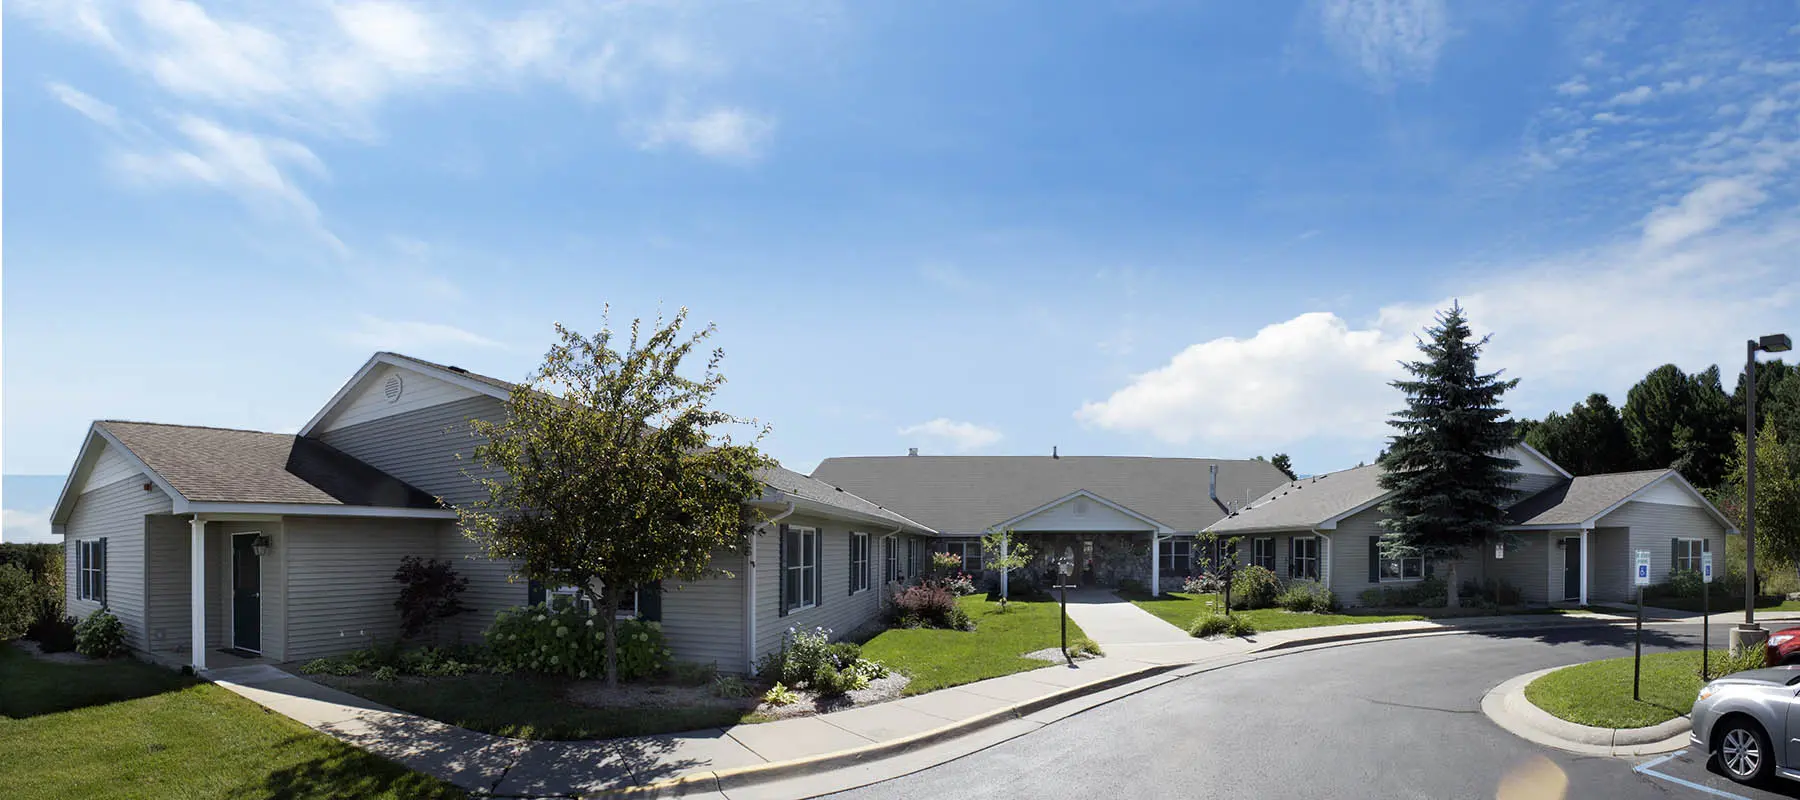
point(1648, 769)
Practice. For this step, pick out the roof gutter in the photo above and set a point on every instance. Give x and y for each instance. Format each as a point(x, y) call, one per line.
point(750, 591)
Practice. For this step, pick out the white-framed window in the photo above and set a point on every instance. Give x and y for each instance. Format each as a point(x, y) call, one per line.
point(1688, 554)
point(859, 562)
point(1175, 555)
point(969, 550)
point(915, 557)
point(566, 596)
point(800, 568)
point(90, 570)
point(1304, 561)
point(1262, 553)
point(1403, 569)
point(890, 559)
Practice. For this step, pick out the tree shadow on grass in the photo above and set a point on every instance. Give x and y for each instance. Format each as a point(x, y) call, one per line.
point(31, 687)
point(349, 772)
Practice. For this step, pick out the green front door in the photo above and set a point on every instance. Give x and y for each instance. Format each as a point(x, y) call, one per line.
point(246, 593)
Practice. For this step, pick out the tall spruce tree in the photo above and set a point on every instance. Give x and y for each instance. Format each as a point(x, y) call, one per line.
point(1445, 466)
point(1589, 440)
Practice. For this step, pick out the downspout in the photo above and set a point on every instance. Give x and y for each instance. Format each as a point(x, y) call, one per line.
point(750, 593)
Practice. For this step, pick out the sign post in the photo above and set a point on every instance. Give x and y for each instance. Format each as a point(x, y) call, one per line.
point(1706, 577)
point(1065, 566)
point(1640, 577)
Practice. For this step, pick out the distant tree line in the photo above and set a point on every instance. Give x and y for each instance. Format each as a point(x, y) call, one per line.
point(1673, 419)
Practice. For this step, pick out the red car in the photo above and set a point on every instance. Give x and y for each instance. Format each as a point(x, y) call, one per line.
point(1783, 647)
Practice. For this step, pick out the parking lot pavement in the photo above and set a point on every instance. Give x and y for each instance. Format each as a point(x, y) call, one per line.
point(1685, 774)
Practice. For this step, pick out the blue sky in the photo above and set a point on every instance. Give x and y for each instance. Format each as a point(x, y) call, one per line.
point(1203, 229)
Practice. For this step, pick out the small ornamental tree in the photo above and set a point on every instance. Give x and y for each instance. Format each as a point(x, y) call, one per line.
point(607, 471)
point(1777, 499)
point(1445, 468)
point(429, 591)
point(1002, 552)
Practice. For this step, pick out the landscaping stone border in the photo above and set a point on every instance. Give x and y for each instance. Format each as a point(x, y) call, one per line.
point(1508, 707)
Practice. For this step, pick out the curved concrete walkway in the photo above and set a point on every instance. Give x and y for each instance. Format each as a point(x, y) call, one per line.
point(1111, 620)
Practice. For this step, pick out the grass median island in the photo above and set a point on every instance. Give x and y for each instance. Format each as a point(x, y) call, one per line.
point(1180, 609)
point(1598, 693)
point(126, 729)
point(937, 659)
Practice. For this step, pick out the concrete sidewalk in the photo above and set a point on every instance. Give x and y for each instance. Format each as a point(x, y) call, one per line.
point(1112, 620)
point(904, 730)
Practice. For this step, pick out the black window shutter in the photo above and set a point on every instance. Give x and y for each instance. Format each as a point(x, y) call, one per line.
point(1429, 566)
point(851, 550)
point(781, 570)
point(649, 597)
point(819, 566)
point(534, 594)
point(1291, 560)
point(1674, 552)
point(1705, 545)
point(1374, 559)
point(102, 586)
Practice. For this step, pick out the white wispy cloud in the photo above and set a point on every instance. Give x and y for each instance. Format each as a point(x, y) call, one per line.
point(1573, 87)
point(1632, 97)
point(102, 113)
point(725, 134)
point(1388, 40)
point(1702, 210)
point(957, 436)
point(376, 333)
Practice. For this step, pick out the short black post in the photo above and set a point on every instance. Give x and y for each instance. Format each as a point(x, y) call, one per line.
point(1064, 586)
point(1228, 591)
point(1637, 659)
point(1705, 631)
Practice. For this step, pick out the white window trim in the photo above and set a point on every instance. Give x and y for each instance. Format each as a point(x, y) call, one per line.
point(962, 547)
point(797, 563)
point(859, 539)
point(1256, 560)
point(1175, 563)
point(1294, 560)
point(90, 581)
point(1401, 564)
point(628, 609)
point(890, 559)
point(1697, 558)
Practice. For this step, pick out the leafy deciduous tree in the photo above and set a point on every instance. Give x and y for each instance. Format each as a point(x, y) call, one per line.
point(1445, 466)
point(1777, 498)
point(611, 474)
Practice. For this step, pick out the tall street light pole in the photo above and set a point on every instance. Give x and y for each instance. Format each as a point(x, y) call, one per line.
point(1751, 634)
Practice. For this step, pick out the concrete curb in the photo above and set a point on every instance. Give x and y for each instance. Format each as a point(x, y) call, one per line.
point(738, 777)
point(1508, 707)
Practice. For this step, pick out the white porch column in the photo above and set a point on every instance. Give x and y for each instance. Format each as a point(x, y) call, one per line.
point(197, 589)
point(1585, 567)
point(1155, 574)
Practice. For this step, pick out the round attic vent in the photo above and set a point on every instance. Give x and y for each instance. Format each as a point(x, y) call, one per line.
point(393, 388)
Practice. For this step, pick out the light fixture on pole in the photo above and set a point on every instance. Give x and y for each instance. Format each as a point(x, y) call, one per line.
point(1751, 634)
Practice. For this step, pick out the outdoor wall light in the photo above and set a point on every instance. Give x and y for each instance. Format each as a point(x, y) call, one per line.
point(261, 545)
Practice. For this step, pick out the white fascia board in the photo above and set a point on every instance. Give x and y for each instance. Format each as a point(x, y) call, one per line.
point(65, 502)
point(312, 510)
point(389, 359)
point(1159, 527)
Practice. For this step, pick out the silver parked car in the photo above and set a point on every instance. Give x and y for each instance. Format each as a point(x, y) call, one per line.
point(1750, 722)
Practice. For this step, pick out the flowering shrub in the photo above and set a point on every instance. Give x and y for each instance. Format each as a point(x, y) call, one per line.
point(572, 642)
point(808, 659)
point(101, 635)
point(1204, 583)
point(946, 562)
point(960, 584)
point(929, 606)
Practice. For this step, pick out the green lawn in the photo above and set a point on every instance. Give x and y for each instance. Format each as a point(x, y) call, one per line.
point(1598, 693)
point(937, 658)
point(1180, 609)
point(130, 730)
point(529, 707)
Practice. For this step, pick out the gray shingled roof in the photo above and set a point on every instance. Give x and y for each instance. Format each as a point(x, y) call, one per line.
point(1306, 502)
point(221, 465)
point(818, 491)
point(1579, 500)
point(970, 494)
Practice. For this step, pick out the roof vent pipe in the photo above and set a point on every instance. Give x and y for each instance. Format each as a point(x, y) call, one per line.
point(1053, 452)
point(1212, 482)
point(912, 451)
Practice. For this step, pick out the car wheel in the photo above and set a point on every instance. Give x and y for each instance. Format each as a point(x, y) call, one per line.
point(1744, 752)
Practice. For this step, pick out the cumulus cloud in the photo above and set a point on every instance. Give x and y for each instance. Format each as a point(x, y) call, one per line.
point(1573, 87)
point(1595, 320)
point(376, 333)
point(1389, 40)
point(1632, 97)
point(957, 436)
